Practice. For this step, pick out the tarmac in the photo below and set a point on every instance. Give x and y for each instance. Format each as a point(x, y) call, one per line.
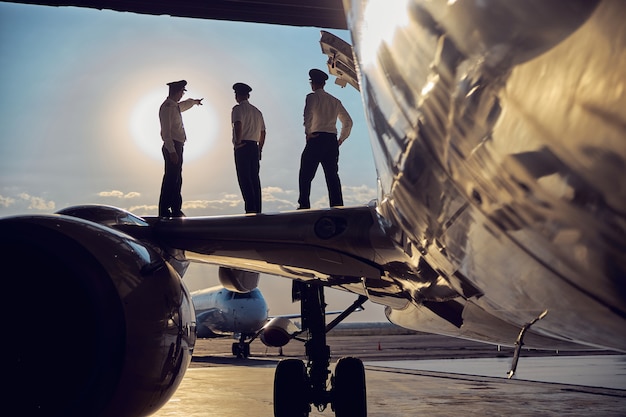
point(217, 384)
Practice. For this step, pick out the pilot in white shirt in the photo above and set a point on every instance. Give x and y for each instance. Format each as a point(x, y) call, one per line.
point(248, 141)
point(174, 137)
point(321, 112)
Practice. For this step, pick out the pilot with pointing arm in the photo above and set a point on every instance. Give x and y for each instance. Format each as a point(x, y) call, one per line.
point(173, 135)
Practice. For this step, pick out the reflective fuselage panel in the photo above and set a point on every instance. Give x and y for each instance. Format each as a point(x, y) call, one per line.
point(499, 134)
point(221, 312)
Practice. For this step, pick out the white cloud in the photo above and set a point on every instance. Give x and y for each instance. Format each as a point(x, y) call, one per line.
point(227, 204)
point(119, 194)
point(37, 203)
point(218, 206)
point(6, 201)
point(361, 194)
point(276, 190)
point(113, 193)
point(143, 209)
point(277, 199)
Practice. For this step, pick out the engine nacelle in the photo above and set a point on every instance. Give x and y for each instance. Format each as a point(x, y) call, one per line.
point(237, 280)
point(101, 324)
point(278, 332)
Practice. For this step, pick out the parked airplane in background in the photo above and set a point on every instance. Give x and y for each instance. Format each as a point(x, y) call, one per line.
point(221, 312)
point(241, 315)
point(498, 133)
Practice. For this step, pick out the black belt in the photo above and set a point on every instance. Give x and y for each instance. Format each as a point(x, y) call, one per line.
point(247, 142)
point(324, 135)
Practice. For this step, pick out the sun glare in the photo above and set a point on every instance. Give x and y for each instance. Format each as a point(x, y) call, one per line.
point(201, 126)
point(381, 20)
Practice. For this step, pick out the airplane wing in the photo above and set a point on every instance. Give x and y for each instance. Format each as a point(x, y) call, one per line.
point(349, 248)
point(338, 247)
point(320, 13)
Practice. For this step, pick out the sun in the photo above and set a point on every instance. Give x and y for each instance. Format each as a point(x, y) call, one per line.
point(201, 126)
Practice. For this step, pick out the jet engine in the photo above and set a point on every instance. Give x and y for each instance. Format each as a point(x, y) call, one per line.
point(237, 280)
point(278, 332)
point(100, 324)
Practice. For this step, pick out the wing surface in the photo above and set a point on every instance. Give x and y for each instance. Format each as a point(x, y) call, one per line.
point(338, 246)
point(320, 13)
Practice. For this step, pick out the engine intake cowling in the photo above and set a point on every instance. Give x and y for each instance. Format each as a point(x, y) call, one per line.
point(278, 332)
point(237, 280)
point(103, 326)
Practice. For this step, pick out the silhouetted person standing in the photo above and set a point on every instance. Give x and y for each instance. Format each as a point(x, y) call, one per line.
point(321, 111)
point(248, 141)
point(173, 135)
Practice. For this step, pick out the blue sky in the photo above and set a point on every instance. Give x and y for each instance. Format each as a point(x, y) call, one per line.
point(81, 91)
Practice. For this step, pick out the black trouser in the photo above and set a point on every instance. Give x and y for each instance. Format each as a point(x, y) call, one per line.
point(247, 165)
point(171, 201)
point(321, 149)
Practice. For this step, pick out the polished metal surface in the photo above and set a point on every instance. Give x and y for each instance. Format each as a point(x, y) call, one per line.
point(498, 127)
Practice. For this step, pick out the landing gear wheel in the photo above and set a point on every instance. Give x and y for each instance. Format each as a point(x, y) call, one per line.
point(290, 389)
point(242, 351)
point(237, 350)
point(349, 397)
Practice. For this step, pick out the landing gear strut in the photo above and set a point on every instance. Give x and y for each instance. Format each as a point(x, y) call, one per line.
point(297, 387)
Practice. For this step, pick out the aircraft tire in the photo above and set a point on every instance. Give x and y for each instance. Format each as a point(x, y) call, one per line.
point(349, 393)
point(290, 389)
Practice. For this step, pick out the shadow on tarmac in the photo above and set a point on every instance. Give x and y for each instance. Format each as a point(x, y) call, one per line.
point(209, 360)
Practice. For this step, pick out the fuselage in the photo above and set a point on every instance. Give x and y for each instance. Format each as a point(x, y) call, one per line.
point(495, 143)
point(220, 312)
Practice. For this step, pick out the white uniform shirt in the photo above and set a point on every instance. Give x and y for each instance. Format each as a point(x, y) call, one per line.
point(172, 128)
point(321, 111)
point(251, 118)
